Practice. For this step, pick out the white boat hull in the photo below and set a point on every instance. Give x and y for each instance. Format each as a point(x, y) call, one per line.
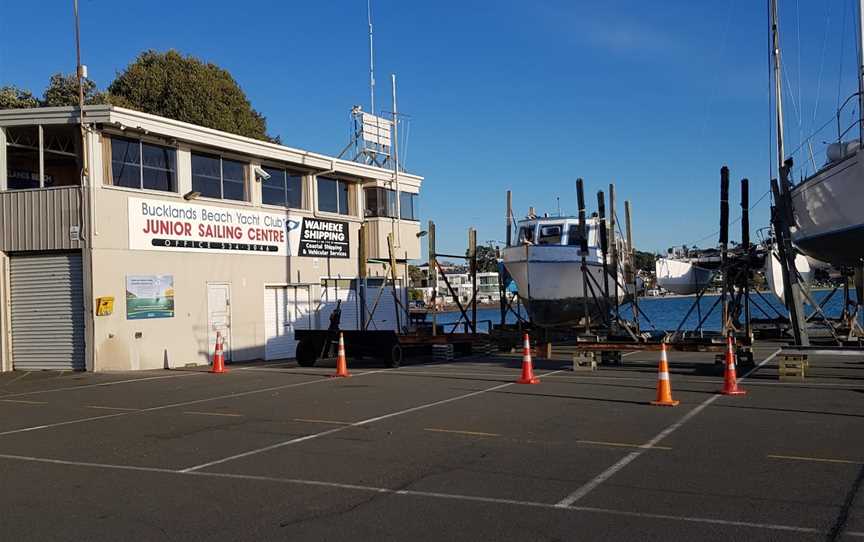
point(550, 285)
point(774, 273)
point(829, 213)
point(681, 277)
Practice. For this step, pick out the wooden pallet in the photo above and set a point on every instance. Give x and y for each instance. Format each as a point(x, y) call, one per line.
point(584, 361)
point(793, 367)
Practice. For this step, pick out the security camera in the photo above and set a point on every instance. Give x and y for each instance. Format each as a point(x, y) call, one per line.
point(260, 174)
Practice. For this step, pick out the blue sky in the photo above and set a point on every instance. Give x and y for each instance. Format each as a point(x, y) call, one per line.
point(654, 96)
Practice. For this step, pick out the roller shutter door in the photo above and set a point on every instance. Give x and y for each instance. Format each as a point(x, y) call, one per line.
point(47, 299)
point(286, 309)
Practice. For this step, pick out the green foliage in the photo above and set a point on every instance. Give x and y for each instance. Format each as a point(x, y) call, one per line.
point(189, 90)
point(415, 275)
point(644, 261)
point(487, 259)
point(415, 295)
point(12, 97)
point(63, 91)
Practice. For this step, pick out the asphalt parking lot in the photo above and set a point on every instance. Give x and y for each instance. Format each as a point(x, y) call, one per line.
point(433, 451)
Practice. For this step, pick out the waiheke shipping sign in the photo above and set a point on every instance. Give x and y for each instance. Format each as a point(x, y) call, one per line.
point(324, 239)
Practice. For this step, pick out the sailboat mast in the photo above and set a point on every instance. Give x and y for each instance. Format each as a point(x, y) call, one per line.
point(778, 87)
point(860, 69)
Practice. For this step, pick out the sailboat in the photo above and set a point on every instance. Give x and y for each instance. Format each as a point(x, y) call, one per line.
point(828, 206)
point(683, 273)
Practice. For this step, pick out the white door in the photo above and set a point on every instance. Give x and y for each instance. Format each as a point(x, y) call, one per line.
point(219, 316)
point(333, 291)
point(383, 315)
point(286, 309)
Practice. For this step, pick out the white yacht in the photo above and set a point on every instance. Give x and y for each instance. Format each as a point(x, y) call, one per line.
point(828, 206)
point(545, 261)
point(681, 273)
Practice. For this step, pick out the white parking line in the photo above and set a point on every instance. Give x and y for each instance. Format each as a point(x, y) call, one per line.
point(355, 424)
point(595, 482)
point(174, 405)
point(101, 384)
point(433, 495)
point(17, 378)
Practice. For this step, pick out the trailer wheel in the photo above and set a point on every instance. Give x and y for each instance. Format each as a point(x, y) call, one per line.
point(395, 357)
point(306, 355)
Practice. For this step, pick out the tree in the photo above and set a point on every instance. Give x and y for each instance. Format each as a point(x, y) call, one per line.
point(487, 259)
point(12, 97)
point(187, 89)
point(63, 91)
point(415, 276)
point(643, 261)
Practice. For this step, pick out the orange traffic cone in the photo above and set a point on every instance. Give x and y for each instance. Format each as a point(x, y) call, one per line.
point(730, 378)
point(664, 388)
point(341, 361)
point(218, 357)
point(527, 366)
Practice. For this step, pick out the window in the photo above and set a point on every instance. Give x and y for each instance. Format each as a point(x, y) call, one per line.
point(217, 177)
point(380, 202)
point(333, 196)
point(526, 234)
point(550, 235)
point(136, 164)
point(57, 165)
point(283, 188)
point(408, 206)
point(574, 236)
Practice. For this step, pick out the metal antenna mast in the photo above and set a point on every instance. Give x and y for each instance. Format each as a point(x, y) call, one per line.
point(79, 71)
point(371, 58)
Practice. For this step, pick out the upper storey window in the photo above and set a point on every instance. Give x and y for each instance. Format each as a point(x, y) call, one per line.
point(284, 187)
point(334, 196)
point(219, 178)
point(136, 164)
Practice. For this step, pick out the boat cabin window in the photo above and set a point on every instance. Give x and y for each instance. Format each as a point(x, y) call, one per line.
point(526, 234)
point(550, 235)
point(574, 236)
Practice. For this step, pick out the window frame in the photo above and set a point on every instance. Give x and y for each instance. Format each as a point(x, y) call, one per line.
point(288, 172)
point(244, 161)
point(174, 180)
point(388, 204)
point(412, 197)
point(543, 240)
point(348, 189)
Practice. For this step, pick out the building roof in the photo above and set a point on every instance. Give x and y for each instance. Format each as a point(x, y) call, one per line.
point(138, 122)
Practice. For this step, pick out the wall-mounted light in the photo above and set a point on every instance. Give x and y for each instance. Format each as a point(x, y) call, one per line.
point(188, 196)
point(421, 233)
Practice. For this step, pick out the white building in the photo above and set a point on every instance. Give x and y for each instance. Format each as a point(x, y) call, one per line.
point(131, 247)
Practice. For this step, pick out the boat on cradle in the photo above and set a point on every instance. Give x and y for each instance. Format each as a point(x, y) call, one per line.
point(685, 272)
point(545, 261)
point(828, 206)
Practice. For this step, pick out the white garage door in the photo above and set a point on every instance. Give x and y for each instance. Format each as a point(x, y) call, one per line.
point(383, 315)
point(333, 291)
point(285, 310)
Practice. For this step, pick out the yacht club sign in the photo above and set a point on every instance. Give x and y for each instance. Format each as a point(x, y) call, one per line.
point(188, 227)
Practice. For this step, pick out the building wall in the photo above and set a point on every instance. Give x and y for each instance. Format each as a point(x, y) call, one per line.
point(122, 344)
point(5, 314)
point(117, 343)
point(184, 338)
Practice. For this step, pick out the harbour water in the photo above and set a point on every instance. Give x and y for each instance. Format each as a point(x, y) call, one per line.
point(666, 313)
